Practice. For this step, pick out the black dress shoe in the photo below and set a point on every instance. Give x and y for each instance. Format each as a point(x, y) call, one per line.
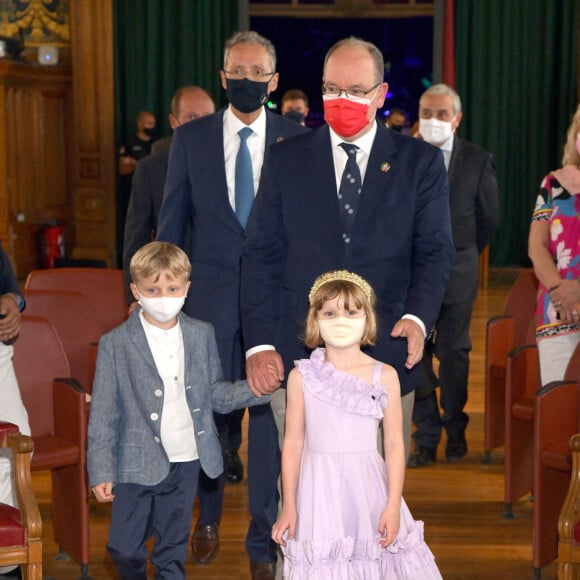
point(421, 457)
point(205, 543)
point(233, 466)
point(456, 448)
point(263, 570)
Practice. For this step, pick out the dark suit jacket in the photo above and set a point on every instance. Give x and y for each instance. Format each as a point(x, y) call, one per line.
point(144, 206)
point(196, 189)
point(474, 205)
point(401, 240)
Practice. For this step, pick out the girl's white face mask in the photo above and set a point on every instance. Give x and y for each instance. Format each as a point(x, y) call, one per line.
point(342, 332)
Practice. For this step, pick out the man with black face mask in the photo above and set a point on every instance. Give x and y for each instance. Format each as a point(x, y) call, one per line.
point(295, 106)
point(134, 148)
point(214, 169)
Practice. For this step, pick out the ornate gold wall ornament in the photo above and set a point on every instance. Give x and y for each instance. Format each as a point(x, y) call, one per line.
point(43, 21)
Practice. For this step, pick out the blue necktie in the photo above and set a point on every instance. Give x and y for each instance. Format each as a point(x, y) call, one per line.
point(244, 179)
point(349, 191)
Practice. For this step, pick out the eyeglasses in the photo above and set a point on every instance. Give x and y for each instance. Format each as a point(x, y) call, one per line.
point(332, 91)
point(255, 73)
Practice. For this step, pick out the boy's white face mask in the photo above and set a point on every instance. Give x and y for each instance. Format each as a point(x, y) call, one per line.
point(164, 308)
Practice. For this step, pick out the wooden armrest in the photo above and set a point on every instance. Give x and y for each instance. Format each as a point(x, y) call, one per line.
point(22, 447)
point(522, 374)
point(570, 513)
point(499, 339)
point(556, 416)
point(70, 413)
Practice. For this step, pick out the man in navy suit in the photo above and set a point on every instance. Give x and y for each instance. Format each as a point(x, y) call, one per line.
point(201, 196)
point(474, 206)
point(399, 236)
point(188, 103)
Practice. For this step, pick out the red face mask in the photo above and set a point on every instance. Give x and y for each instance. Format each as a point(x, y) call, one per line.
point(346, 116)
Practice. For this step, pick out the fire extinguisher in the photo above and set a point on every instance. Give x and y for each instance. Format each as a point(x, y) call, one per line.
point(52, 244)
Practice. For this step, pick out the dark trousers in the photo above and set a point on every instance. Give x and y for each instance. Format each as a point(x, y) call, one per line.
point(229, 428)
point(451, 346)
point(162, 511)
point(263, 472)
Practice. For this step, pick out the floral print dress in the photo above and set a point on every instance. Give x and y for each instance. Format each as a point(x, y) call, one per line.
point(561, 208)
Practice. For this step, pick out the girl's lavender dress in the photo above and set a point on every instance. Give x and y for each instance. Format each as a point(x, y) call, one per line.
point(342, 489)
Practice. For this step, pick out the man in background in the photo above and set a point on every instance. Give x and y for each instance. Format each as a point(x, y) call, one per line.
point(396, 120)
point(295, 106)
point(188, 103)
point(474, 206)
point(134, 148)
point(214, 169)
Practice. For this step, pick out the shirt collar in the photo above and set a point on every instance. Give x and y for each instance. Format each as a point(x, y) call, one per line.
point(157, 332)
point(365, 142)
point(233, 124)
point(448, 145)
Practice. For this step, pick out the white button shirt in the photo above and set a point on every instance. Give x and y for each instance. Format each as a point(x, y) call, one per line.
point(177, 429)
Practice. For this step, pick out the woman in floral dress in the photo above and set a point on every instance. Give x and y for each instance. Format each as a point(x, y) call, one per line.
point(554, 250)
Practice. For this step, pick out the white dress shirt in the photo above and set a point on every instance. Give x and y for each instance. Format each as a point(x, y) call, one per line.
point(447, 149)
point(256, 145)
point(339, 155)
point(177, 430)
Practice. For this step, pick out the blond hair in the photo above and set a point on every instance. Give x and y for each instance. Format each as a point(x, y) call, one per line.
point(571, 155)
point(155, 257)
point(349, 291)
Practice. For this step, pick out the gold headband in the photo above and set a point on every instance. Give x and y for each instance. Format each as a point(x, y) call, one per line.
point(343, 275)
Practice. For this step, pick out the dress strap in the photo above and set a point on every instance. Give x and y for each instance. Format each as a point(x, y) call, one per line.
point(377, 373)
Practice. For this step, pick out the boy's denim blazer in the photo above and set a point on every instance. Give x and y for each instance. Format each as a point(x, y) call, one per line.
point(124, 442)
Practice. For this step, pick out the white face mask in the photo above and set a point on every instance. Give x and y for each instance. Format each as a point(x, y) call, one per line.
point(434, 131)
point(162, 309)
point(342, 332)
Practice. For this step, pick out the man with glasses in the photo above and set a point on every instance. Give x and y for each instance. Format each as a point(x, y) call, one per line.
point(351, 194)
point(214, 169)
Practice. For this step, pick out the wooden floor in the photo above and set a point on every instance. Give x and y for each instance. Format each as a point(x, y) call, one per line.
point(460, 504)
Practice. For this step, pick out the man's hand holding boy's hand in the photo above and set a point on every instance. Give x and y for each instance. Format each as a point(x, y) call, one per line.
point(261, 379)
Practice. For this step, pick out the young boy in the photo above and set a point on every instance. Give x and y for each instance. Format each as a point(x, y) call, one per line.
point(151, 428)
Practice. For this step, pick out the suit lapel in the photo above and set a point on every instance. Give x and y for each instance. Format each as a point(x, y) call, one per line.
point(190, 353)
point(456, 158)
point(137, 335)
point(377, 177)
point(323, 178)
point(215, 151)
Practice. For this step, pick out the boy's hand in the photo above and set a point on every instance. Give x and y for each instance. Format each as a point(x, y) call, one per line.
point(273, 371)
point(260, 381)
point(104, 492)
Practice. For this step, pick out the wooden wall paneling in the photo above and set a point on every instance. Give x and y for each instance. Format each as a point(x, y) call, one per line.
point(94, 187)
point(35, 157)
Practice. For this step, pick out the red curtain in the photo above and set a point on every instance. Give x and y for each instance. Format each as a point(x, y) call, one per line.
point(449, 45)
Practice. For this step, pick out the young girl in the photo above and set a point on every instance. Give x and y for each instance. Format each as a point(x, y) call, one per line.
point(343, 516)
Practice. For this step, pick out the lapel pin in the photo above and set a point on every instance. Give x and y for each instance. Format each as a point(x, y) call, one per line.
point(385, 166)
point(279, 139)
